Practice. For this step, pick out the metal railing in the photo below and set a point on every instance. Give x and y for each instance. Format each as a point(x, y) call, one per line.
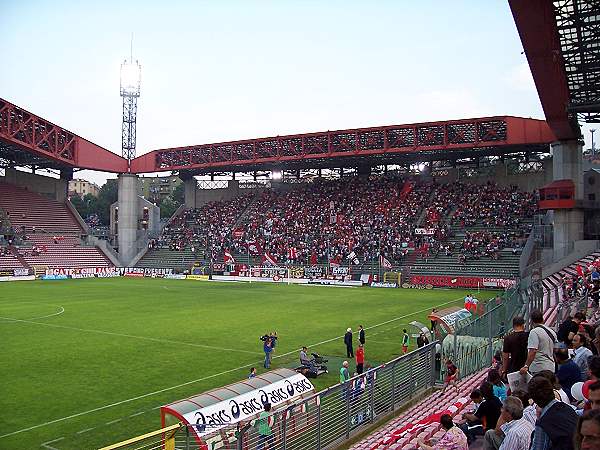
point(325, 419)
point(473, 345)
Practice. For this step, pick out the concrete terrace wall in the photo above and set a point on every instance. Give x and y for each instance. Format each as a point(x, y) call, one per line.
point(54, 188)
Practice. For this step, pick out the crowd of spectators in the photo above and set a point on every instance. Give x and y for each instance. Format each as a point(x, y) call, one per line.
point(353, 218)
point(542, 393)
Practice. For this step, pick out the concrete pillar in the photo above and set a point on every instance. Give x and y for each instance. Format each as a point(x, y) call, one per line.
point(190, 188)
point(128, 216)
point(568, 224)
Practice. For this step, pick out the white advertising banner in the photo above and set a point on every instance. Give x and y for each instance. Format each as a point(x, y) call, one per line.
point(212, 418)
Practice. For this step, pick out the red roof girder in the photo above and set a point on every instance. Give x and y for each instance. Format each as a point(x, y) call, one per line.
point(396, 139)
point(33, 134)
point(536, 23)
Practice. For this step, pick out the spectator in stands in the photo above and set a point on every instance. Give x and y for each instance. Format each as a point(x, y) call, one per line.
point(581, 354)
point(348, 343)
point(499, 387)
point(568, 372)
point(568, 329)
point(486, 416)
point(360, 359)
point(587, 436)
point(540, 346)
point(451, 376)
point(559, 393)
point(512, 431)
point(594, 395)
point(594, 368)
point(514, 348)
point(453, 438)
point(557, 421)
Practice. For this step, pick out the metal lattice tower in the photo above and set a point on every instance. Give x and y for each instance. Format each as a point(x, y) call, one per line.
point(131, 73)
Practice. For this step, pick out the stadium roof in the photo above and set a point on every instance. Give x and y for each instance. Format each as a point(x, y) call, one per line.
point(561, 40)
point(346, 148)
point(29, 140)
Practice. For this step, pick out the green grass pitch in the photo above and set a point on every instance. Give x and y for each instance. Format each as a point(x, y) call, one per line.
point(88, 362)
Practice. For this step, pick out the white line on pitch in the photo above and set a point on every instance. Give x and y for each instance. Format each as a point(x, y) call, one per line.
point(46, 444)
point(85, 431)
point(113, 421)
point(149, 394)
point(145, 338)
point(137, 414)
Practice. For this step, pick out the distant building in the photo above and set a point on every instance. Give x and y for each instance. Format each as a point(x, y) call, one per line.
point(154, 189)
point(83, 187)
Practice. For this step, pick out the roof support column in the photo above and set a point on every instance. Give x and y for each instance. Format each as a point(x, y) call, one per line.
point(568, 223)
point(128, 214)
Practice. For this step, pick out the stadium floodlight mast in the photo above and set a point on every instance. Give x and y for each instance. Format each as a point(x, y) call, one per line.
point(131, 77)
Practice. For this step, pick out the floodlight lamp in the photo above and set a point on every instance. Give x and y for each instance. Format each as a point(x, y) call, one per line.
point(131, 75)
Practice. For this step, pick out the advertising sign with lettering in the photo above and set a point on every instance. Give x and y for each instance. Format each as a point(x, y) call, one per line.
point(214, 417)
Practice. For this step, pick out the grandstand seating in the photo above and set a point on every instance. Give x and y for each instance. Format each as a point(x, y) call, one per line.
point(47, 226)
point(327, 220)
point(429, 405)
point(552, 286)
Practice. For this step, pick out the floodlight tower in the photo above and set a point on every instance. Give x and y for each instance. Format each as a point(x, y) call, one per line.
point(131, 75)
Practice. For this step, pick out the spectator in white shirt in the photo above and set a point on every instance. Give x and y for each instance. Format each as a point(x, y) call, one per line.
point(513, 431)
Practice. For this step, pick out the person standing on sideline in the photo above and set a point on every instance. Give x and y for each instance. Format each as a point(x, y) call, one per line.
point(360, 359)
point(267, 348)
point(252, 373)
point(348, 342)
point(344, 373)
point(514, 349)
point(361, 335)
point(405, 339)
point(265, 434)
point(540, 346)
point(433, 322)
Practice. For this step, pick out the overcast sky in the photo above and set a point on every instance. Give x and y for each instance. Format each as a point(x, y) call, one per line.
point(225, 70)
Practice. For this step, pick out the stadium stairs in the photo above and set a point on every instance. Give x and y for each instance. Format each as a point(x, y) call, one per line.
point(387, 437)
point(51, 219)
point(384, 438)
point(551, 285)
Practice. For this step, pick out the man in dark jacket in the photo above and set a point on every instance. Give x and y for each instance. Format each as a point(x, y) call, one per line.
point(361, 334)
point(557, 422)
point(348, 342)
